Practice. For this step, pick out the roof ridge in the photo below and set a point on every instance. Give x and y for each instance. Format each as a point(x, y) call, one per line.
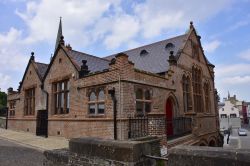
point(42, 63)
point(91, 55)
point(148, 44)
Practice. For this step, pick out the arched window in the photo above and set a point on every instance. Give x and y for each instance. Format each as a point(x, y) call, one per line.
point(197, 90)
point(97, 102)
point(186, 94)
point(143, 102)
point(143, 52)
point(207, 98)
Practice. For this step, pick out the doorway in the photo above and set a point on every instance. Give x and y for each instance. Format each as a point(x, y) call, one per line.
point(169, 118)
point(42, 123)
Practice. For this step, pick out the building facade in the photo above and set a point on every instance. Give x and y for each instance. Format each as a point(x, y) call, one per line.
point(167, 87)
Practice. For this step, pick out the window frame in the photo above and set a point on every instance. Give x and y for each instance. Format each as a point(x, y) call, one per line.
point(187, 94)
point(207, 97)
point(61, 97)
point(97, 102)
point(143, 101)
point(12, 107)
point(29, 102)
point(197, 90)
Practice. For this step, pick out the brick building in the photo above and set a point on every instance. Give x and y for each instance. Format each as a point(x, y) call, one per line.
point(166, 88)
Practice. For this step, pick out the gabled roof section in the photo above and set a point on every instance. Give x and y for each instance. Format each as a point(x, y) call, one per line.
point(41, 69)
point(94, 63)
point(156, 59)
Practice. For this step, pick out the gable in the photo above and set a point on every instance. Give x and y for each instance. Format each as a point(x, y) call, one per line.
point(31, 76)
point(61, 65)
point(192, 54)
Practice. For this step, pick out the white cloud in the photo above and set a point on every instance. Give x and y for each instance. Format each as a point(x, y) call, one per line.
point(106, 21)
point(4, 83)
point(245, 54)
point(157, 16)
point(10, 51)
point(212, 46)
point(232, 70)
point(236, 80)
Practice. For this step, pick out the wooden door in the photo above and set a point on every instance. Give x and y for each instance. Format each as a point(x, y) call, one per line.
point(169, 117)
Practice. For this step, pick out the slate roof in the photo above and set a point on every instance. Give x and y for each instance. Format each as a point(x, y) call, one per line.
point(41, 68)
point(94, 63)
point(155, 59)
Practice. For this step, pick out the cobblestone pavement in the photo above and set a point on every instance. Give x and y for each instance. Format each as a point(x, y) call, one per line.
point(13, 154)
point(31, 140)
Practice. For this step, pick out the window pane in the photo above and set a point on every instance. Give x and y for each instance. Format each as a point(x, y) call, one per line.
point(92, 96)
point(67, 100)
point(101, 95)
point(147, 107)
point(101, 108)
point(91, 108)
point(139, 94)
point(147, 95)
point(139, 108)
point(62, 85)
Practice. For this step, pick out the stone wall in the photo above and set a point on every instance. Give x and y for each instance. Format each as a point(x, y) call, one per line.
point(94, 151)
point(209, 156)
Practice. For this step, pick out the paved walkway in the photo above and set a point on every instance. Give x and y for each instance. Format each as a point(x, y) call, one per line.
point(34, 141)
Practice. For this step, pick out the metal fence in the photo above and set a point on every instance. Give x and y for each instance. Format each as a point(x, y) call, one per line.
point(180, 127)
point(138, 127)
point(145, 126)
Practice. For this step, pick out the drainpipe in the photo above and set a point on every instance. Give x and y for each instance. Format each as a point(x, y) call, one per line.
point(6, 121)
point(47, 106)
point(112, 93)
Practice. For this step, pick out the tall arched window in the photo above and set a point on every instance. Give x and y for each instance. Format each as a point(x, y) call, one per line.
point(207, 98)
point(186, 94)
point(197, 90)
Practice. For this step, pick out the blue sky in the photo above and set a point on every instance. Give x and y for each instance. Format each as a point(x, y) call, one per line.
point(104, 27)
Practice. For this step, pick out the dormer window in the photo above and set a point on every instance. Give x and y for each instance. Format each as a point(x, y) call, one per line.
point(169, 46)
point(143, 52)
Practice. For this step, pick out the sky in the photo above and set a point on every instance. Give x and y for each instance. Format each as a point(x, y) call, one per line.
point(105, 27)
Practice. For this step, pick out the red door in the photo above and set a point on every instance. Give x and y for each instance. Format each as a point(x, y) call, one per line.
point(169, 118)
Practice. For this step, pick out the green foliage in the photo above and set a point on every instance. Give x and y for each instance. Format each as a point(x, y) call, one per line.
point(160, 163)
point(3, 99)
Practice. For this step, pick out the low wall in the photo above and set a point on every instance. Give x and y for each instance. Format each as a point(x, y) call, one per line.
point(2, 122)
point(208, 156)
point(226, 123)
point(96, 151)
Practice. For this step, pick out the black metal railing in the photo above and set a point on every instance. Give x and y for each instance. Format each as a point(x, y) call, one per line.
point(138, 127)
point(146, 126)
point(178, 127)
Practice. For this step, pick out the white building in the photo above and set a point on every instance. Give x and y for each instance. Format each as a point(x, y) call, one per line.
point(229, 110)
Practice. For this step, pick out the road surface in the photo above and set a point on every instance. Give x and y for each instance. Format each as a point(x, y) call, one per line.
point(236, 141)
point(13, 154)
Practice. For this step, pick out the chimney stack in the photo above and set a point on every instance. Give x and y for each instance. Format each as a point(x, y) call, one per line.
point(84, 69)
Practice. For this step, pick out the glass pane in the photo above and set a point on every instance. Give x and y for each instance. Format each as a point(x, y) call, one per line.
point(139, 108)
point(91, 108)
point(68, 100)
point(139, 94)
point(62, 85)
point(101, 108)
point(67, 85)
point(92, 96)
point(62, 100)
point(147, 95)
point(147, 107)
point(101, 95)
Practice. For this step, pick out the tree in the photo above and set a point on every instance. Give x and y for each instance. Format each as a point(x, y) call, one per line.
point(3, 99)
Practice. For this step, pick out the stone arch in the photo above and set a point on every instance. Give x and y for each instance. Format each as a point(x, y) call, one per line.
point(212, 141)
point(203, 142)
point(175, 104)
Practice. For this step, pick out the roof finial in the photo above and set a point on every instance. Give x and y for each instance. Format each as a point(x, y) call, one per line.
point(59, 34)
point(32, 57)
point(191, 25)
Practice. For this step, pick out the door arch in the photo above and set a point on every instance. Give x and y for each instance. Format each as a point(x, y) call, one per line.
point(169, 118)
